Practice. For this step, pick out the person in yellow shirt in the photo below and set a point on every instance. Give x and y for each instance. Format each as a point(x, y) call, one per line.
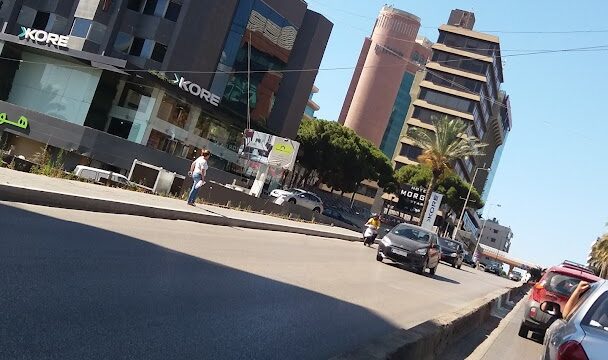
point(371, 232)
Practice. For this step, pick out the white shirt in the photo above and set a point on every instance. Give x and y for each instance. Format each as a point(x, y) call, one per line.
point(200, 165)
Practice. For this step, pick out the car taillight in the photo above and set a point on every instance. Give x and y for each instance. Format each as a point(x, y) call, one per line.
point(536, 291)
point(571, 350)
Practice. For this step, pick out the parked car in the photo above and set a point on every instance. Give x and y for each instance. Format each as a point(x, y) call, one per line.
point(493, 268)
point(468, 259)
point(287, 192)
point(410, 245)
point(98, 175)
point(515, 276)
point(300, 197)
point(556, 285)
point(452, 251)
point(583, 334)
point(335, 214)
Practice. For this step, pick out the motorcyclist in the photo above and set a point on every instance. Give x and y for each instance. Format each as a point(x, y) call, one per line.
point(371, 232)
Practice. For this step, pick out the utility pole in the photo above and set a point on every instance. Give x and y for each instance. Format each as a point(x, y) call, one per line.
point(466, 201)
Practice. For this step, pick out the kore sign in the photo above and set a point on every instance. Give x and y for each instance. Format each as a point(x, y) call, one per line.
point(44, 37)
point(189, 86)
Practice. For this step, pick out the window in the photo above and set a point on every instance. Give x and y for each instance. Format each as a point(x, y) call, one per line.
point(135, 5)
point(493, 239)
point(427, 116)
point(410, 151)
point(41, 20)
point(598, 314)
point(134, 96)
point(447, 101)
point(174, 111)
point(81, 27)
point(173, 11)
point(560, 284)
point(495, 231)
point(123, 42)
point(137, 44)
point(158, 53)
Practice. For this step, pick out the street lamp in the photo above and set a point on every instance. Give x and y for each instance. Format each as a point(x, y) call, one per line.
point(467, 201)
point(484, 226)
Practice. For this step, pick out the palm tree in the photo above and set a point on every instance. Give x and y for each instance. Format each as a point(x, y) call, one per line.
point(449, 142)
point(598, 258)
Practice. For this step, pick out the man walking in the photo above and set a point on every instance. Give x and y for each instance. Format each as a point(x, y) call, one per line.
point(198, 170)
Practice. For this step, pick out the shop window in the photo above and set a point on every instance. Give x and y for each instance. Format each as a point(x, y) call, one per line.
point(158, 53)
point(163, 142)
point(132, 96)
point(174, 111)
point(81, 27)
point(120, 128)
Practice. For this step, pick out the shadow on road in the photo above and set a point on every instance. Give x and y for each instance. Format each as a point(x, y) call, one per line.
point(444, 279)
point(72, 291)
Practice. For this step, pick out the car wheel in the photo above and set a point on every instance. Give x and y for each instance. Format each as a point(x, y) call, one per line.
point(379, 257)
point(523, 330)
point(420, 270)
point(317, 210)
point(293, 201)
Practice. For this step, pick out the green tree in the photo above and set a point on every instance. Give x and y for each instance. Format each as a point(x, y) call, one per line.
point(340, 158)
point(443, 146)
point(599, 256)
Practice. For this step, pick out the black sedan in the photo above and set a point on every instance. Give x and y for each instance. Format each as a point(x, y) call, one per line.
point(452, 252)
point(410, 245)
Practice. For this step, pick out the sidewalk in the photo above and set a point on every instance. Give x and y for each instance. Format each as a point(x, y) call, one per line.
point(23, 187)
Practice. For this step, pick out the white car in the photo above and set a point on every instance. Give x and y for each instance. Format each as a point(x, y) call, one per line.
point(299, 197)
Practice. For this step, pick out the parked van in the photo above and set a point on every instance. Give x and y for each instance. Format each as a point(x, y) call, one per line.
point(99, 175)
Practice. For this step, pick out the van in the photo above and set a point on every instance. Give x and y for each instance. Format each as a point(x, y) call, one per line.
point(99, 175)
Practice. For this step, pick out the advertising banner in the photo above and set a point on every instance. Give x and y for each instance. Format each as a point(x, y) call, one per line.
point(269, 149)
point(431, 211)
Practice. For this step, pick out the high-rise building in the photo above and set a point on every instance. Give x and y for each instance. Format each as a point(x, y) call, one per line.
point(462, 79)
point(378, 95)
point(111, 81)
point(311, 106)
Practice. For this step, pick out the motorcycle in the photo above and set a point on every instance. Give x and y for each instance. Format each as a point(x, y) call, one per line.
point(369, 236)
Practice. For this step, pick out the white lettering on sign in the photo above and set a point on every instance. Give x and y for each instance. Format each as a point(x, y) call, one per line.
point(197, 90)
point(41, 36)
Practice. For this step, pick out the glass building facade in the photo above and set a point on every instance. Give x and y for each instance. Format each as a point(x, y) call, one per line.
point(397, 119)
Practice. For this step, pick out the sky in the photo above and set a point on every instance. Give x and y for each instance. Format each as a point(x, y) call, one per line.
point(551, 181)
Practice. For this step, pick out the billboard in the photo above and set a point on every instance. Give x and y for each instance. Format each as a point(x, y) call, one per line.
point(269, 149)
point(431, 211)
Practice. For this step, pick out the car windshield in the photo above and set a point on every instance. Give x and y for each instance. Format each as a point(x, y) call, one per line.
point(294, 191)
point(450, 244)
point(412, 233)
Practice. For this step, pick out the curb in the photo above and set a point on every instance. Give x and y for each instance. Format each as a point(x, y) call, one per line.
point(75, 202)
point(428, 340)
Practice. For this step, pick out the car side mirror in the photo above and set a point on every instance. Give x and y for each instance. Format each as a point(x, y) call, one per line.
point(551, 308)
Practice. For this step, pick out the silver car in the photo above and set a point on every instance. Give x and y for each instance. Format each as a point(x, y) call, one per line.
point(584, 333)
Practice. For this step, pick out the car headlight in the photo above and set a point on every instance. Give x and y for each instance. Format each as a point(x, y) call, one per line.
point(386, 241)
point(453, 255)
point(421, 251)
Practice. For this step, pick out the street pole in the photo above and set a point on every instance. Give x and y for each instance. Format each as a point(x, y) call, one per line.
point(466, 202)
point(484, 226)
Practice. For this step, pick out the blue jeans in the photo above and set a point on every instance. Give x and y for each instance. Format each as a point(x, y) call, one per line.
point(194, 192)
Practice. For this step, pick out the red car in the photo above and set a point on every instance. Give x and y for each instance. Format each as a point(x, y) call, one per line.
point(556, 285)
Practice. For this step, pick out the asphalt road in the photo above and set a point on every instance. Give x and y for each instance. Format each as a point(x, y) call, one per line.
point(80, 285)
point(508, 345)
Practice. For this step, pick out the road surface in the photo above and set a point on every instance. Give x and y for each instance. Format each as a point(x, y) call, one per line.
point(81, 285)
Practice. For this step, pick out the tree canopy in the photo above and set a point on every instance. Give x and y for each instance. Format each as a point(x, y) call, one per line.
point(341, 158)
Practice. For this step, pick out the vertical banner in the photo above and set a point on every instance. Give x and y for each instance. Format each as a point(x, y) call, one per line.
point(431, 211)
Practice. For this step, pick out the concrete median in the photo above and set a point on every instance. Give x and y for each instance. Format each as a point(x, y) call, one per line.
point(427, 341)
point(20, 194)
